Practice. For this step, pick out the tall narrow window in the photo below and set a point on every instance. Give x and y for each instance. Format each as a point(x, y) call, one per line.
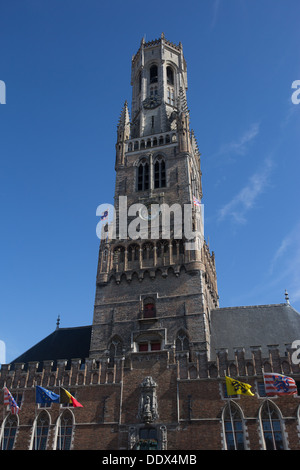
point(115, 349)
point(143, 176)
point(153, 74)
point(149, 309)
point(233, 426)
point(65, 431)
point(182, 341)
point(271, 426)
point(170, 76)
point(10, 431)
point(159, 173)
point(41, 431)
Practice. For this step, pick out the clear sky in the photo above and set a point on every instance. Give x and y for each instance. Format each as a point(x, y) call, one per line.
point(66, 65)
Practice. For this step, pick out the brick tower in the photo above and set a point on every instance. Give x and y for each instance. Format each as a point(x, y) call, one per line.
point(155, 293)
point(150, 371)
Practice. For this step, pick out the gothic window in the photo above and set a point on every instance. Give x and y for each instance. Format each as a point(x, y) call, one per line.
point(115, 349)
point(149, 310)
point(133, 253)
point(182, 341)
point(233, 427)
point(147, 439)
point(10, 431)
point(143, 176)
point(271, 426)
point(147, 251)
point(153, 74)
point(65, 431)
point(119, 255)
point(170, 76)
point(162, 248)
point(41, 431)
point(159, 173)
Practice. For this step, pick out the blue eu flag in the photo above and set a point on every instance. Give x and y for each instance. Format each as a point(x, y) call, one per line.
point(42, 395)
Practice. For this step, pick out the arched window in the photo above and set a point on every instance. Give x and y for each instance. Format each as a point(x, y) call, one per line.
point(147, 439)
point(182, 341)
point(133, 252)
point(65, 431)
point(233, 427)
point(149, 310)
point(162, 248)
point(115, 349)
point(170, 76)
point(10, 431)
point(143, 176)
point(41, 431)
point(153, 74)
point(271, 426)
point(119, 255)
point(159, 173)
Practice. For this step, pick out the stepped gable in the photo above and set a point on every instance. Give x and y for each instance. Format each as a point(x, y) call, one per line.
point(63, 343)
point(249, 326)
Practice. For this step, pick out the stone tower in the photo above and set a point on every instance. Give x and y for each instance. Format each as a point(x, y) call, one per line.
point(155, 290)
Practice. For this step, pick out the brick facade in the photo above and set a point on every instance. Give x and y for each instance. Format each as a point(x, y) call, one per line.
point(153, 372)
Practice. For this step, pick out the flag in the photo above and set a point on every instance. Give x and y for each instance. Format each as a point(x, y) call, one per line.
point(235, 387)
point(104, 215)
point(278, 384)
point(9, 400)
point(196, 202)
point(42, 396)
point(67, 398)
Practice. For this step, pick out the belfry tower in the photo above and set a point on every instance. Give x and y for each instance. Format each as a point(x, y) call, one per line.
point(155, 293)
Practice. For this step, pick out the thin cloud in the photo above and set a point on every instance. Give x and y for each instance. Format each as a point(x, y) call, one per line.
point(290, 243)
point(237, 208)
point(216, 7)
point(240, 146)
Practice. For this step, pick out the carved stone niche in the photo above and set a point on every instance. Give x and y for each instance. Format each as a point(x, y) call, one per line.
point(148, 401)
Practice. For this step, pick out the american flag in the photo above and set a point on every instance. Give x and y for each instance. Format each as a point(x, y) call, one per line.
point(9, 400)
point(196, 202)
point(278, 384)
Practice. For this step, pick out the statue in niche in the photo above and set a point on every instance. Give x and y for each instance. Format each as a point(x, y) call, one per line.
point(148, 401)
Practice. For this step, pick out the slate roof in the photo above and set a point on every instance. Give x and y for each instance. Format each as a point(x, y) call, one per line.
point(260, 325)
point(63, 343)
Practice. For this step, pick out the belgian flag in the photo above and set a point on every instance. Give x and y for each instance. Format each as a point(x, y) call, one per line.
point(65, 397)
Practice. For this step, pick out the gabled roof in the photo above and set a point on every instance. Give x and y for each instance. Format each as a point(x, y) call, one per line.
point(259, 325)
point(63, 343)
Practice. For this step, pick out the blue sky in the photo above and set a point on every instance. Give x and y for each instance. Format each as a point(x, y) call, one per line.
point(66, 66)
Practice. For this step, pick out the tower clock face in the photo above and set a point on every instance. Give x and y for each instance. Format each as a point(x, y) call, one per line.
point(152, 102)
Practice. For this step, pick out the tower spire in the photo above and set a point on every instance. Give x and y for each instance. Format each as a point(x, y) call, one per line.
point(124, 119)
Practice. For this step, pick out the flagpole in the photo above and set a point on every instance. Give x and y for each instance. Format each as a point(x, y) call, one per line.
point(271, 424)
point(231, 419)
point(35, 421)
point(59, 421)
point(2, 434)
point(232, 424)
